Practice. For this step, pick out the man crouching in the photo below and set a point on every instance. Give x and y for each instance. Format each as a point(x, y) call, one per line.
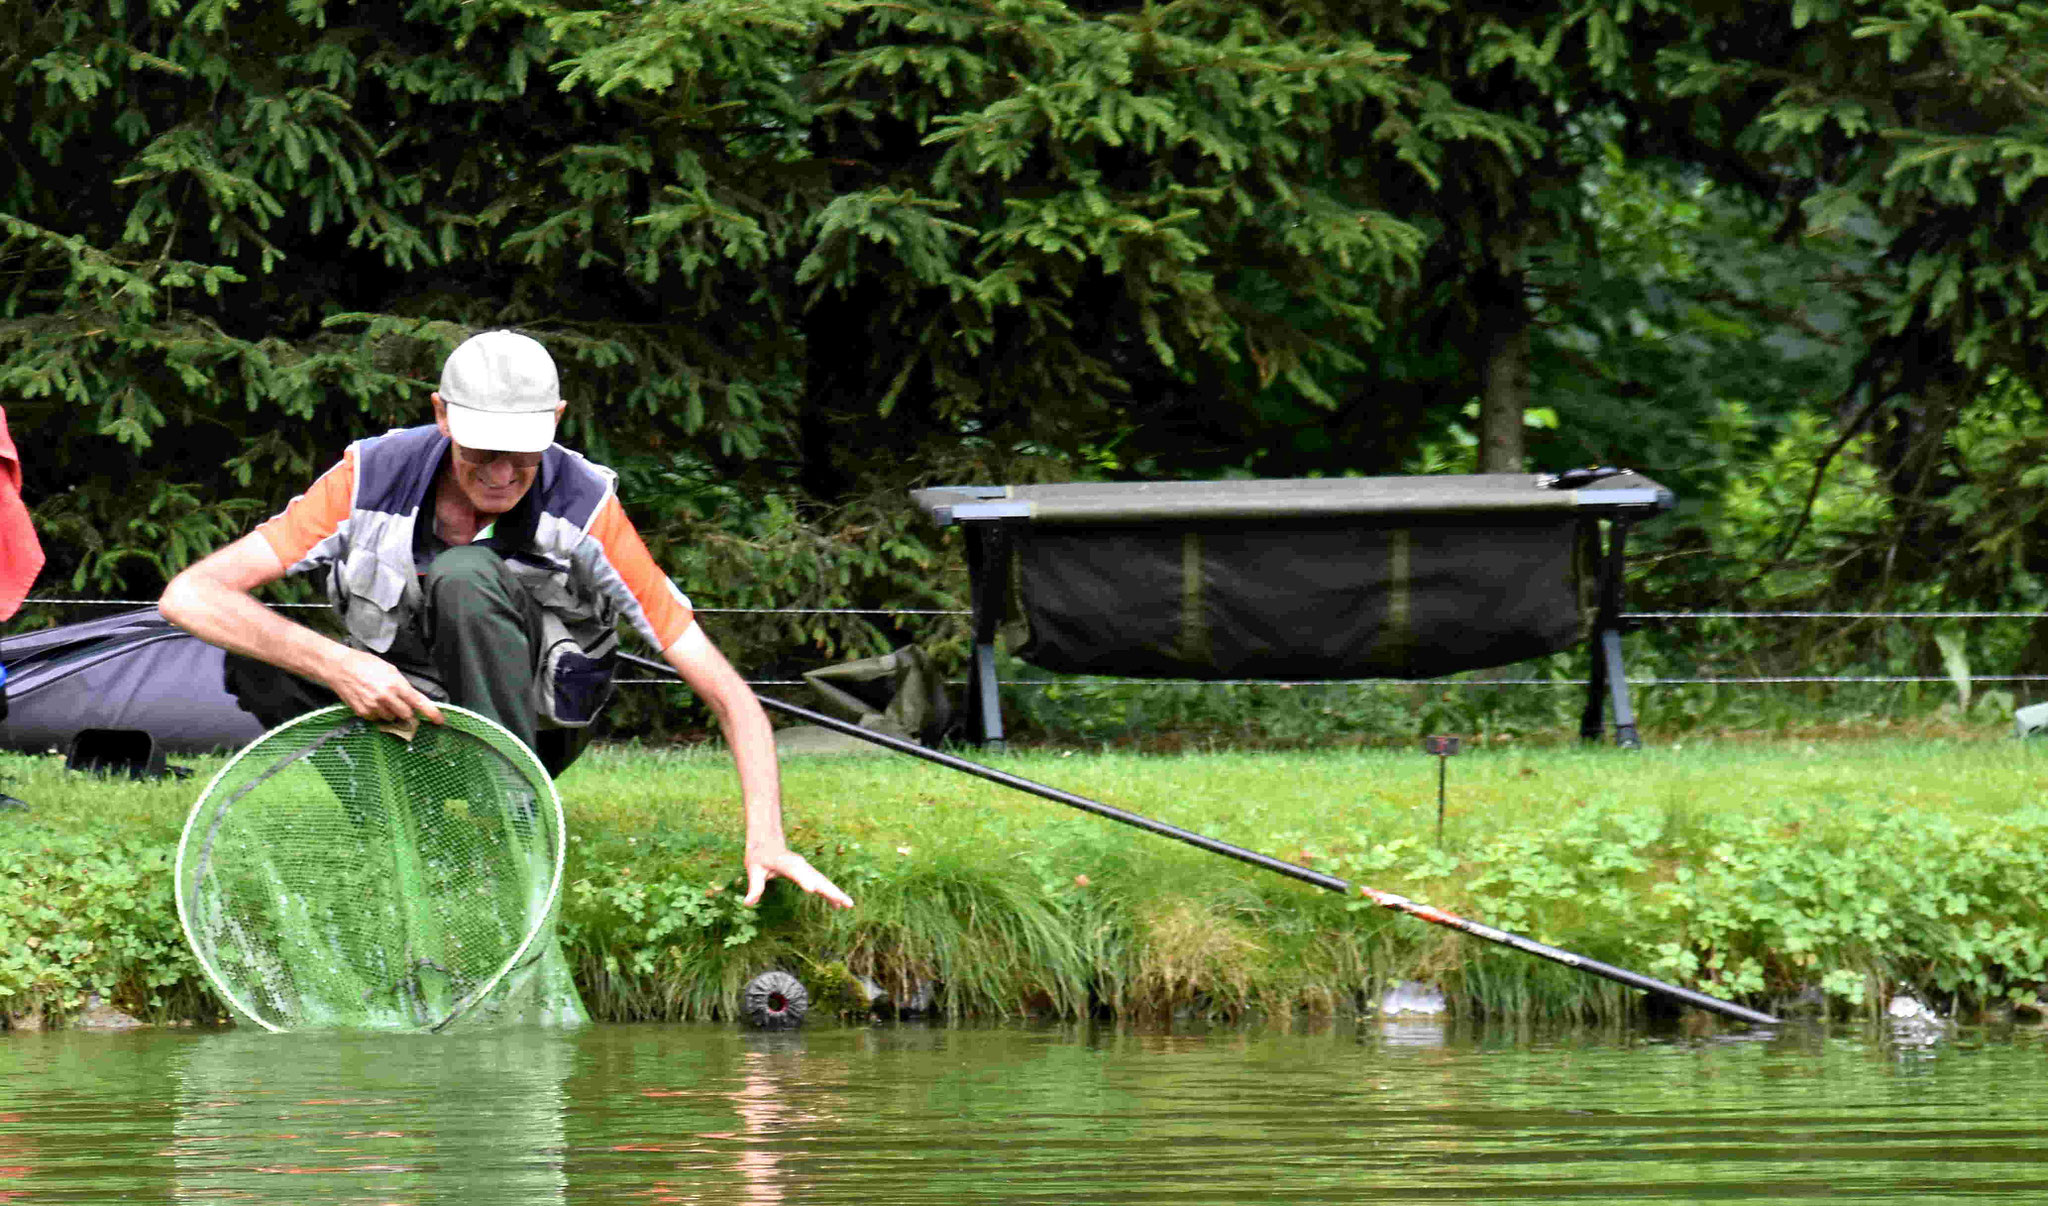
point(476, 561)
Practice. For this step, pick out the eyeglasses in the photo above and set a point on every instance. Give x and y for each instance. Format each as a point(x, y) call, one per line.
point(485, 456)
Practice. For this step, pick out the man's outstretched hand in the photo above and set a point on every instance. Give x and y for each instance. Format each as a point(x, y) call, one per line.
point(784, 863)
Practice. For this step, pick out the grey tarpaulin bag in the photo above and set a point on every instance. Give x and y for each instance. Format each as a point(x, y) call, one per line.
point(1317, 599)
point(897, 693)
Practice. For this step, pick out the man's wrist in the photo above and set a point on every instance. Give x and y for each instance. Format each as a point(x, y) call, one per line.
point(765, 838)
point(329, 658)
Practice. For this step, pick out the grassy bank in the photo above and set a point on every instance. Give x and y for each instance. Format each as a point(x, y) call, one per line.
point(1752, 869)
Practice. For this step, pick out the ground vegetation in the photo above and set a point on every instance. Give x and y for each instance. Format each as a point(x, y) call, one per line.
point(1814, 874)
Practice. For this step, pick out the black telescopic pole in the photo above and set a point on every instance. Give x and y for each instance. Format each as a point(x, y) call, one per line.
point(1435, 916)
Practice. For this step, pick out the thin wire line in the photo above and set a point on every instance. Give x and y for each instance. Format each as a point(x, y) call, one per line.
point(702, 611)
point(830, 611)
point(1132, 684)
point(1839, 678)
point(134, 603)
point(948, 611)
point(676, 682)
point(1834, 615)
point(1129, 684)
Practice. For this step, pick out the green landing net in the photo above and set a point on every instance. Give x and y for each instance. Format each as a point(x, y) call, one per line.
point(334, 874)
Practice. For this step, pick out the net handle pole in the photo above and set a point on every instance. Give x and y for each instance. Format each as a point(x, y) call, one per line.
point(1389, 900)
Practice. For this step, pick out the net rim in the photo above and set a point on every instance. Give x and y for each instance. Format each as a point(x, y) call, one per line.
point(536, 775)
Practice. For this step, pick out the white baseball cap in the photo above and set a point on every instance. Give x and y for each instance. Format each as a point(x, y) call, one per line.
point(501, 391)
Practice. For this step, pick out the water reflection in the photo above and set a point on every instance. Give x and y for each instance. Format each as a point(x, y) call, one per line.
point(770, 1111)
point(1409, 1112)
point(295, 1118)
point(1412, 1034)
point(761, 1112)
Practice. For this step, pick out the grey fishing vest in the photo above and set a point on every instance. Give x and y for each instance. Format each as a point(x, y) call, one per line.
point(375, 585)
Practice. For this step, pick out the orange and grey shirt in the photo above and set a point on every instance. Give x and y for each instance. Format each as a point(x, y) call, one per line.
point(573, 548)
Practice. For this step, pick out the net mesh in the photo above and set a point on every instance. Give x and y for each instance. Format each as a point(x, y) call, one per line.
point(336, 875)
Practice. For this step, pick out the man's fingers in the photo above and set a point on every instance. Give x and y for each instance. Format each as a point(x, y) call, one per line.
point(374, 689)
point(810, 879)
point(813, 880)
point(369, 708)
point(796, 869)
point(427, 708)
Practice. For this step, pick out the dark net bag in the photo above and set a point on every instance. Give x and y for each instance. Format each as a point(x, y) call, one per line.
point(1303, 598)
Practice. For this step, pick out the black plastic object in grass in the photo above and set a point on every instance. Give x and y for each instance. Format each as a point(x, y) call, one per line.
point(334, 874)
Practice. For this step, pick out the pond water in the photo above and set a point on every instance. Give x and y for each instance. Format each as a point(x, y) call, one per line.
point(1371, 1112)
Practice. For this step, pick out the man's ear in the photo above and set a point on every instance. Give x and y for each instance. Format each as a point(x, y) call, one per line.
point(441, 416)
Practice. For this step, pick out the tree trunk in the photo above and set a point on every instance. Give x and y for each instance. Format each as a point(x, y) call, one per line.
point(1503, 376)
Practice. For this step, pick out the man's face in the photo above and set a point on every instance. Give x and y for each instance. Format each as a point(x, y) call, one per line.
point(493, 482)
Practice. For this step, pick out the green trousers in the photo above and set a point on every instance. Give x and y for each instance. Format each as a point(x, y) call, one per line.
point(481, 638)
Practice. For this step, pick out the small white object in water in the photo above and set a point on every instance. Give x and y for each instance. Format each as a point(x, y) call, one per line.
point(1409, 997)
point(1914, 1023)
point(1907, 1007)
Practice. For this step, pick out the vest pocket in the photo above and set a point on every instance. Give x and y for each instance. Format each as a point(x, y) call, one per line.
point(368, 576)
point(554, 591)
point(370, 596)
point(573, 682)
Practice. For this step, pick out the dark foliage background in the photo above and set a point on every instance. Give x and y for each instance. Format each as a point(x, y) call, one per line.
point(798, 258)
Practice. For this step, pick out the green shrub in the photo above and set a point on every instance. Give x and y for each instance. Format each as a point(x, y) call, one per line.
point(85, 915)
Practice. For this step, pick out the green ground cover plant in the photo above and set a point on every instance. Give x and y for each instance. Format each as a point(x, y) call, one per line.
point(1765, 869)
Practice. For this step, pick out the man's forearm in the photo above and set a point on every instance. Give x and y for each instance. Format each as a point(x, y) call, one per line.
point(747, 733)
point(234, 620)
point(752, 742)
point(212, 601)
